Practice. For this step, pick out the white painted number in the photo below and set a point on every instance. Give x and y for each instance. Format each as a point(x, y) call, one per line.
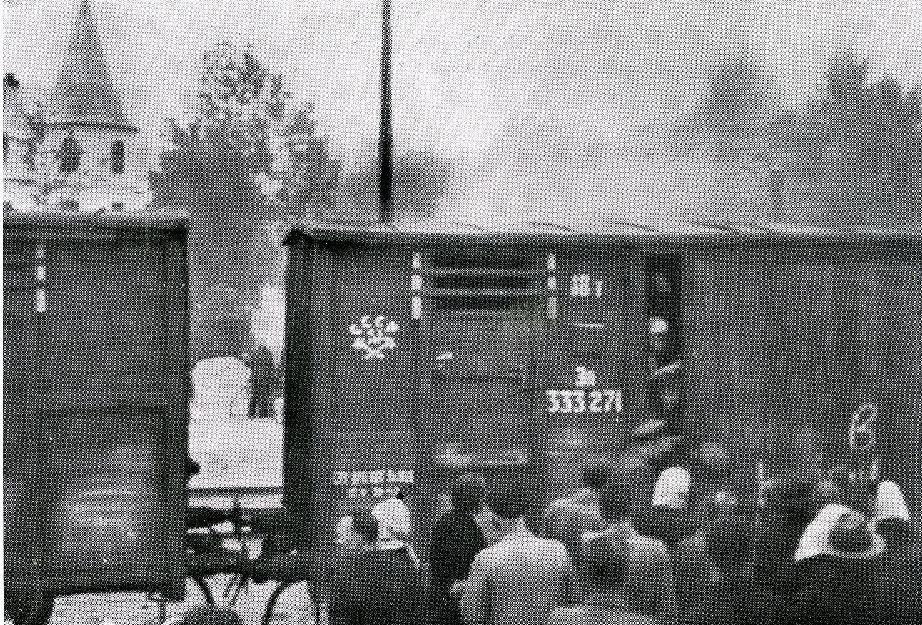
point(582, 285)
point(579, 285)
point(578, 401)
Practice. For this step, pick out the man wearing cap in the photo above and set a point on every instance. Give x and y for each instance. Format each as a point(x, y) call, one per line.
point(521, 579)
point(649, 585)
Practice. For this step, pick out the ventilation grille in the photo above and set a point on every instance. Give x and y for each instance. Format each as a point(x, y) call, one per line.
point(490, 280)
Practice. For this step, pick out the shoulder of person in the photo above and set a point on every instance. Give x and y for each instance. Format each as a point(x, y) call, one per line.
point(555, 549)
point(566, 615)
point(650, 547)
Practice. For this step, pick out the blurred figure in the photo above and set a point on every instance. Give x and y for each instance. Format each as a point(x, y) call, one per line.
point(395, 522)
point(672, 489)
point(691, 557)
point(840, 586)
point(345, 536)
point(669, 517)
point(605, 570)
point(456, 538)
point(724, 594)
point(569, 518)
point(521, 579)
point(649, 586)
point(371, 585)
point(666, 376)
point(787, 513)
point(262, 366)
point(890, 504)
point(898, 580)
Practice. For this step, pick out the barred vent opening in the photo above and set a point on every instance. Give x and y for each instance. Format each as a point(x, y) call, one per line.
point(482, 280)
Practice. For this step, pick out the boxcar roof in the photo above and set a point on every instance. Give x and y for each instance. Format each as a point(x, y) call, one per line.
point(166, 222)
point(609, 230)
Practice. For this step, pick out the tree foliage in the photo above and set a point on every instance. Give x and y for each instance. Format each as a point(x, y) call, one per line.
point(247, 159)
point(861, 141)
point(732, 115)
point(850, 155)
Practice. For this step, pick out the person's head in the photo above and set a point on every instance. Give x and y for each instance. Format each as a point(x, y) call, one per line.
point(850, 538)
point(720, 508)
point(595, 473)
point(890, 503)
point(896, 534)
point(615, 500)
point(508, 505)
point(659, 335)
point(672, 489)
point(467, 493)
point(604, 561)
point(365, 526)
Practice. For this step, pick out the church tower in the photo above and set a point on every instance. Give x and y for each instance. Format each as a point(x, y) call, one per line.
point(18, 149)
point(95, 146)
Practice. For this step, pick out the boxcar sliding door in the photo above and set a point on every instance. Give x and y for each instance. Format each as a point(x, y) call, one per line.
point(483, 314)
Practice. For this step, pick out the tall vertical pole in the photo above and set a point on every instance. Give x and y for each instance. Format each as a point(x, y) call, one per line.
point(385, 134)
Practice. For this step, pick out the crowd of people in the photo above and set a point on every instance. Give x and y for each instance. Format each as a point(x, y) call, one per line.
point(617, 552)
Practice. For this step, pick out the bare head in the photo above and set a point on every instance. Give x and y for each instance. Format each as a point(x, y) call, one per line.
point(605, 564)
point(468, 493)
point(595, 473)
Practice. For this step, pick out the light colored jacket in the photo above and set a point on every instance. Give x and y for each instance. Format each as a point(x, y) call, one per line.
point(520, 580)
point(599, 610)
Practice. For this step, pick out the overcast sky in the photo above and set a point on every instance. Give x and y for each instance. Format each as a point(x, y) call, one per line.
point(487, 82)
point(467, 69)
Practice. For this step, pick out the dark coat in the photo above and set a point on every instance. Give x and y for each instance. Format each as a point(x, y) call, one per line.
point(666, 525)
point(375, 587)
point(899, 589)
point(456, 540)
point(835, 591)
point(568, 520)
point(726, 598)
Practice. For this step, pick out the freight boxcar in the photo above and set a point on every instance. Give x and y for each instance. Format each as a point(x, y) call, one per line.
point(95, 406)
point(418, 350)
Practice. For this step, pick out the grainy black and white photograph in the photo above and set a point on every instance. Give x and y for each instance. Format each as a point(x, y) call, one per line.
point(462, 312)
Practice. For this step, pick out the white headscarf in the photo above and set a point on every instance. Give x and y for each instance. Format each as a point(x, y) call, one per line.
point(393, 518)
point(672, 488)
point(815, 539)
point(890, 503)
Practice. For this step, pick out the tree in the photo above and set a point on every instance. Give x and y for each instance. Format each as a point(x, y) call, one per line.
point(731, 116)
point(246, 160)
point(871, 146)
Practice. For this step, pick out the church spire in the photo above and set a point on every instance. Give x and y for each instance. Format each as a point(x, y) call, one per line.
point(85, 93)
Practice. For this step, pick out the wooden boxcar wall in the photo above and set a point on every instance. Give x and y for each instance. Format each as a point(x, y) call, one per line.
point(784, 340)
point(375, 398)
point(95, 404)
